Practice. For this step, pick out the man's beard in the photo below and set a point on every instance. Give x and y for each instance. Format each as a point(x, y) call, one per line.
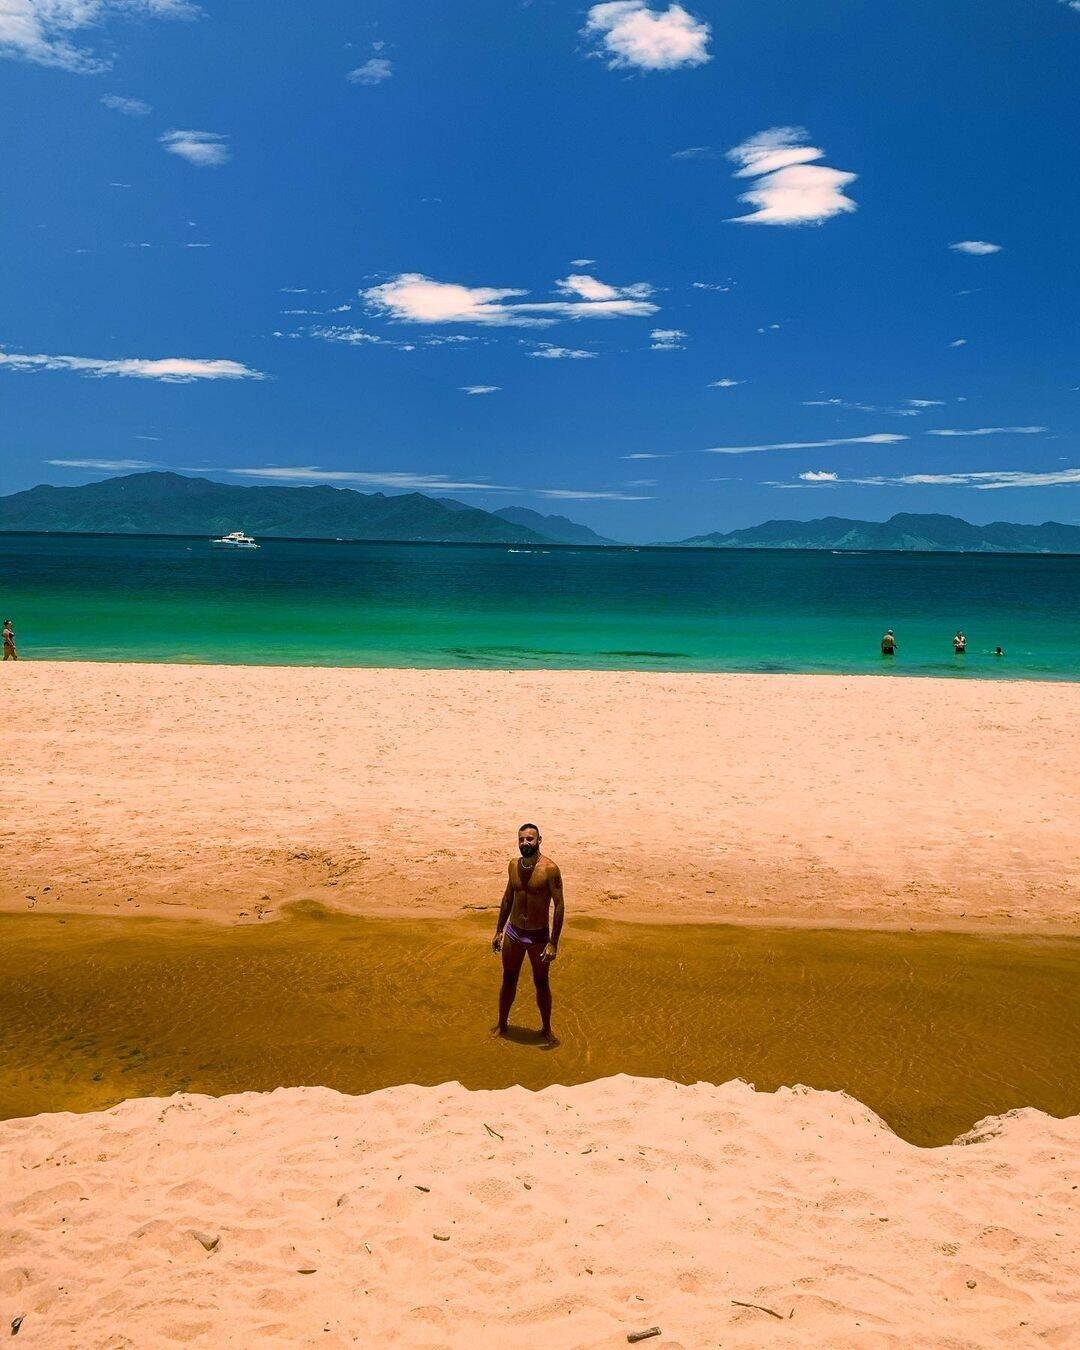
point(529, 850)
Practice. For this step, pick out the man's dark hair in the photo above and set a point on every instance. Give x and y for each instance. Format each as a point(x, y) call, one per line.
point(528, 826)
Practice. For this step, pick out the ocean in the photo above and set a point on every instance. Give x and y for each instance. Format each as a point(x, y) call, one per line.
point(78, 597)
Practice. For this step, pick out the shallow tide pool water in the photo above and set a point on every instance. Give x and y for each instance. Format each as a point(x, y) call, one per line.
point(931, 1030)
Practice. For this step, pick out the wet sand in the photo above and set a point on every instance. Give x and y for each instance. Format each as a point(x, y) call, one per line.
point(932, 1031)
point(820, 800)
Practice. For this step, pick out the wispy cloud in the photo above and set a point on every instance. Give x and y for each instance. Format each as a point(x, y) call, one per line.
point(631, 36)
point(959, 342)
point(479, 388)
point(790, 188)
point(41, 31)
point(985, 480)
point(130, 107)
point(643, 454)
point(582, 262)
point(725, 383)
point(711, 286)
point(403, 480)
point(818, 476)
point(414, 298)
point(373, 71)
point(986, 431)
point(416, 482)
point(978, 248)
point(105, 465)
point(205, 149)
point(694, 152)
point(879, 438)
point(578, 495)
point(925, 402)
point(351, 337)
point(548, 351)
point(171, 369)
point(908, 411)
point(586, 287)
point(667, 340)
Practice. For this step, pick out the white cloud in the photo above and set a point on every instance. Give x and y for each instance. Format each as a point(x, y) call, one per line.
point(549, 352)
point(988, 431)
point(986, 480)
point(415, 482)
point(574, 495)
point(1072, 4)
point(978, 248)
point(879, 438)
point(925, 402)
point(582, 262)
point(479, 388)
point(41, 30)
point(790, 189)
point(414, 298)
point(643, 454)
point(725, 383)
point(694, 152)
point(588, 288)
point(374, 71)
point(106, 465)
point(710, 286)
point(960, 342)
point(171, 369)
point(130, 107)
point(859, 407)
point(667, 340)
point(818, 476)
point(404, 481)
point(630, 35)
point(205, 149)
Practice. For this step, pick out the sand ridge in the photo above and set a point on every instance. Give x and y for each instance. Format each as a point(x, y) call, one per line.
point(569, 1217)
point(223, 791)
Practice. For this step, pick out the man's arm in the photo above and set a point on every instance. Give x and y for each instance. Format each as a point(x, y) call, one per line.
point(555, 890)
point(504, 914)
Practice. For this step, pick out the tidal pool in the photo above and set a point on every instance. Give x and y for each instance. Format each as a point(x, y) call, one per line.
point(931, 1030)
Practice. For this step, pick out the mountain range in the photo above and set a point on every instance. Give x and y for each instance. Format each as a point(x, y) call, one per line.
point(170, 503)
point(900, 533)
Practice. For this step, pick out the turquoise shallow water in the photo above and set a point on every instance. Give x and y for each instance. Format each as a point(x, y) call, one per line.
point(326, 603)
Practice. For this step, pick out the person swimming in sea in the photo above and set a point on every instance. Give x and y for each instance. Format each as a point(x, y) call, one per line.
point(534, 885)
point(10, 654)
point(888, 643)
point(959, 643)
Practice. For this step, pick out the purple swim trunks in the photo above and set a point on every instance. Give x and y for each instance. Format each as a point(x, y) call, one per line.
point(528, 937)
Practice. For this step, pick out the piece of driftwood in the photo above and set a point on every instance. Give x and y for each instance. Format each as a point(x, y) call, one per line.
point(491, 1131)
point(758, 1307)
point(635, 1336)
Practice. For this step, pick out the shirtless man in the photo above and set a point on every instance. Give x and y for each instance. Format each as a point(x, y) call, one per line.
point(10, 654)
point(533, 885)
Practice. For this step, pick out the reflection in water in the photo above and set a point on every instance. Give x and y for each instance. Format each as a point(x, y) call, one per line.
point(933, 1031)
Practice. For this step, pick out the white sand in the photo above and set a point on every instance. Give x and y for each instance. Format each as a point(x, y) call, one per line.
point(225, 791)
point(603, 1209)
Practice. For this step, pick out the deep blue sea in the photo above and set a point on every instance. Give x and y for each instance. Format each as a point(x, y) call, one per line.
point(325, 603)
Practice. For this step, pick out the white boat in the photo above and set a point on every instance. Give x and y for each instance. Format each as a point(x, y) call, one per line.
point(237, 539)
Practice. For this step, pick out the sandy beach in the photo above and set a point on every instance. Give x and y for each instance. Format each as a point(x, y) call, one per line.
point(224, 792)
point(571, 1217)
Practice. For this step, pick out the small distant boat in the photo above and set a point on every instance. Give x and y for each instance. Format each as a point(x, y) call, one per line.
point(237, 539)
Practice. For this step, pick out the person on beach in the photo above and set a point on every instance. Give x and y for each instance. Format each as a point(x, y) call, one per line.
point(959, 643)
point(533, 886)
point(888, 643)
point(10, 654)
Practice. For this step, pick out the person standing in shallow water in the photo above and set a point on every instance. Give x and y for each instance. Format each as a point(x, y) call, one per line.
point(888, 643)
point(959, 643)
point(534, 885)
point(10, 654)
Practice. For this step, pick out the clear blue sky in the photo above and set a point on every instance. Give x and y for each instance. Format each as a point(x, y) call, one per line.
point(281, 242)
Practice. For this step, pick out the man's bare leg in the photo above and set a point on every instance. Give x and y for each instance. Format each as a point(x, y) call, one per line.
point(513, 953)
point(543, 989)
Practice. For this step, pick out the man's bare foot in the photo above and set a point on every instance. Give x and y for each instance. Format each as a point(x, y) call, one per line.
point(546, 1034)
point(498, 1030)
